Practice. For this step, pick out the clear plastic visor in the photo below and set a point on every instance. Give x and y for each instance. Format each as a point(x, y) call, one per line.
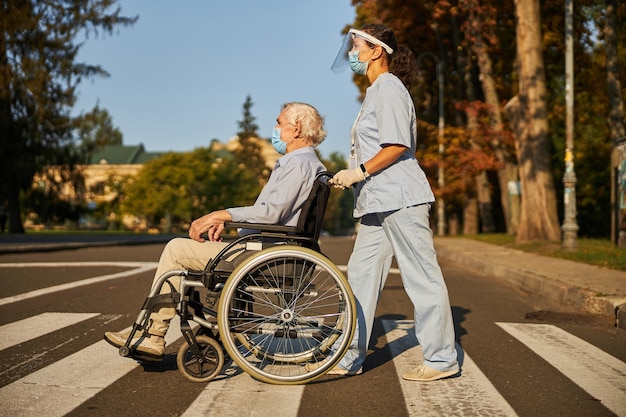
point(341, 60)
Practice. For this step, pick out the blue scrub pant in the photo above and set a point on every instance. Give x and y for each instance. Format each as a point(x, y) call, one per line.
point(405, 234)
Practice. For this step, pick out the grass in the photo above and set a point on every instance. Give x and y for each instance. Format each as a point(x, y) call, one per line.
point(591, 251)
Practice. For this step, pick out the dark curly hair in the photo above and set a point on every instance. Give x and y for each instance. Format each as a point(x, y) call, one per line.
point(401, 62)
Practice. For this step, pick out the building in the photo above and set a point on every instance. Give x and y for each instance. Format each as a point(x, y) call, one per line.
point(113, 163)
point(109, 169)
point(118, 162)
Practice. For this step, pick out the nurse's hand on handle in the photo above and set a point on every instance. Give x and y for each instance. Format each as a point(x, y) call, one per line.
point(346, 178)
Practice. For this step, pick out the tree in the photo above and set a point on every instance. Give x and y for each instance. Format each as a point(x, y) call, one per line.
point(38, 79)
point(180, 187)
point(249, 153)
point(480, 34)
point(438, 27)
point(247, 127)
point(539, 219)
point(616, 110)
point(473, 38)
point(95, 130)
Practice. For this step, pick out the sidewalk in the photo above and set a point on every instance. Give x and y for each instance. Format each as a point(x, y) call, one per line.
point(586, 288)
point(45, 242)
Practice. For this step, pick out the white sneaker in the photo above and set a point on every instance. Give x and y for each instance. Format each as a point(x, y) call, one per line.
point(335, 370)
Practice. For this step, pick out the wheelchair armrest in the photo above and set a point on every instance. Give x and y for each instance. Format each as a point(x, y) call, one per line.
point(275, 228)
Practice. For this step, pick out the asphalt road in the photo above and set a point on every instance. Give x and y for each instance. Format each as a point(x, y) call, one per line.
point(504, 373)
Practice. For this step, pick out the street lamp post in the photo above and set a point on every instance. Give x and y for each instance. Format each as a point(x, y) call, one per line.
point(569, 227)
point(441, 204)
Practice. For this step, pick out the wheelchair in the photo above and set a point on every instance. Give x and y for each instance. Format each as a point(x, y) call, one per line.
point(276, 307)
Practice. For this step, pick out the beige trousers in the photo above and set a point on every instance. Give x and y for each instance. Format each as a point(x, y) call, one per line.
point(179, 254)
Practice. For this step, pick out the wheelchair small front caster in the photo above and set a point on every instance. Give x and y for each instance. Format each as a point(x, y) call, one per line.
point(204, 368)
point(124, 351)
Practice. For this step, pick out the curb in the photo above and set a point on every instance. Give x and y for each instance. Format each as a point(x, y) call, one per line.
point(620, 314)
point(567, 294)
point(51, 247)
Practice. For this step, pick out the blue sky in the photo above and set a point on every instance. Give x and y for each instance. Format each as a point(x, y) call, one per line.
point(180, 75)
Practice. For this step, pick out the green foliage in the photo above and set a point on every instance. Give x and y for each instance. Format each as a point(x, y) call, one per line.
point(38, 79)
point(95, 130)
point(49, 208)
point(449, 29)
point(185, 186)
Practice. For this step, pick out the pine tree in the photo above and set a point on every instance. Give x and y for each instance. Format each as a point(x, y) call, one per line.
point(249, 153)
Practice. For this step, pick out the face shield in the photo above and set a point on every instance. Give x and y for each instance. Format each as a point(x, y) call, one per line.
point(341, 61)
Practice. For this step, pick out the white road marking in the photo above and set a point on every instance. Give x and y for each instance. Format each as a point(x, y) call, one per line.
point(240, 394)
point(57, 389)
point(20, 331)
point(64, 385)
point(601, 375)
point(471, 394)
point(138, 267)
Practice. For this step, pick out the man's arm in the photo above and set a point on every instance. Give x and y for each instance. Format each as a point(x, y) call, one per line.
point(280, 197)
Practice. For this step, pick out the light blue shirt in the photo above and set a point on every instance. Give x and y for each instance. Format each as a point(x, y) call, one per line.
point(290, 183)
point(388, 117)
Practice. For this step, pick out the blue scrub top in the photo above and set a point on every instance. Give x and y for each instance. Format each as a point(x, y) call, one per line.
point(388, 117)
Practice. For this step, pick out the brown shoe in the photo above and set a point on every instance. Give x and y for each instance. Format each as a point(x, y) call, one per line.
point(143, 348)
point(424, 373)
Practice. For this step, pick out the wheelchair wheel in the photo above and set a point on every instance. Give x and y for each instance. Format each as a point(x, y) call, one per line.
point(204, 368)
point(282, 308)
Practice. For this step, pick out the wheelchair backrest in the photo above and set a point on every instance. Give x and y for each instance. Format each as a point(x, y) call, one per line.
point(306, 233)
point(312, 215)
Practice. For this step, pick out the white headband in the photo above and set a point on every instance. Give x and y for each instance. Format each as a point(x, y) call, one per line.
point(370, 39)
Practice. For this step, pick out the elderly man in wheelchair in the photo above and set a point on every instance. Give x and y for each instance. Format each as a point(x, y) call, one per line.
point(271, 298)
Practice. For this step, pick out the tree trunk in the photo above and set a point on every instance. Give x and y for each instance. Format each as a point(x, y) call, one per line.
point(538, 219)
point(480, 205)
point(15, 216)
point(616, 119)
point(470, 216)
point(508, 170)
point(616, 110)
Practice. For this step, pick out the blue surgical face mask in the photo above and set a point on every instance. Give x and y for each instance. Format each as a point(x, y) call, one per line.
point(277, 142)
point(356, 65)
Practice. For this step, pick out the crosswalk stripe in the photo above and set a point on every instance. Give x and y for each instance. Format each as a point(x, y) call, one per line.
point(63, 386)
point(139, 267)
point(59, 388)
point(30, 328)
point(469, 395)
point(223, 397)
point(600, 374)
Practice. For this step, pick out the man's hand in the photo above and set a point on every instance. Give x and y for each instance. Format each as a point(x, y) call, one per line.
point(212, 224)
point(346, 178)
